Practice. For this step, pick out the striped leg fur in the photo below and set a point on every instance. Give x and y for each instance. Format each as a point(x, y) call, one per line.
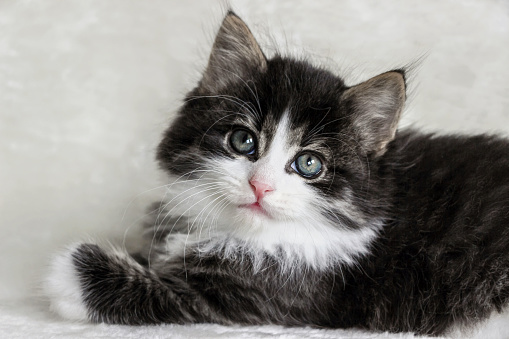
point(87, 282)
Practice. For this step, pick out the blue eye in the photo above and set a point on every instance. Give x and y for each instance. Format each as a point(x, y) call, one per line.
point(243, 142)
point(307, 165)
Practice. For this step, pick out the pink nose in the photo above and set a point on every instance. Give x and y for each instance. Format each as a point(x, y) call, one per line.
point(260, 188)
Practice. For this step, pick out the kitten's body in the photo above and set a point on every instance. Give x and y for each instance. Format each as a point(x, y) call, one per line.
point(398, 231)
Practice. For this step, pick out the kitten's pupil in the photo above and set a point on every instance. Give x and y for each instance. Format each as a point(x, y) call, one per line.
point(247, 139)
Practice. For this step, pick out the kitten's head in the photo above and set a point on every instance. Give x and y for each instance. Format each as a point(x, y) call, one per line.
point(277, 152)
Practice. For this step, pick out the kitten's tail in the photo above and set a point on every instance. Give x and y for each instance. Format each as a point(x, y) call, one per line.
point(86, 282)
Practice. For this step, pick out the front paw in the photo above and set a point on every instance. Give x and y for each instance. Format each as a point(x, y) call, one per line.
point(63, 287)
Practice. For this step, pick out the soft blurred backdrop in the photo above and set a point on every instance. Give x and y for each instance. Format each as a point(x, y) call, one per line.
point(87, 87)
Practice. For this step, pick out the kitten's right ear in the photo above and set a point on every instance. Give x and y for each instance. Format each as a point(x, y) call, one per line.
point(235, 54)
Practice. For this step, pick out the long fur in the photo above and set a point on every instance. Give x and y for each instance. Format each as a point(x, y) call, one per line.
point(400, 231)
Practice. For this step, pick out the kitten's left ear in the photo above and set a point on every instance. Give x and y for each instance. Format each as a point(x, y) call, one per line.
point(235, 54)
point(376, 106)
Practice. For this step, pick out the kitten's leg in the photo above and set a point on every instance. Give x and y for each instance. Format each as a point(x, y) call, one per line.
point(63, 287)
point(87, 282)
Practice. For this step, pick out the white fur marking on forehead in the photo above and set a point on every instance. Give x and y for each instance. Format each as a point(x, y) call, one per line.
point(278, 148)
point(273, 162)
point(283, 127)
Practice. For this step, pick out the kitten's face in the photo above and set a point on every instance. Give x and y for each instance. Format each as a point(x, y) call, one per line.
point(270, 146)
point(270, 173)
point(277, 149)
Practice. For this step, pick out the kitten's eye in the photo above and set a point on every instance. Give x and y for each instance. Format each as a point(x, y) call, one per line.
point(307, 165)
point(242, 142)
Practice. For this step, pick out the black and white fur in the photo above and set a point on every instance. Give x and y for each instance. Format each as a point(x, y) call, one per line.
point(401, 231)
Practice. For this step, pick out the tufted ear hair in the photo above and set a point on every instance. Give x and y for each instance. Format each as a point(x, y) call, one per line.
point(375, 106)
point(235, 54)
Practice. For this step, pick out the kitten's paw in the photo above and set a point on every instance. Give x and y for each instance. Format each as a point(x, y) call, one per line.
point(63, 287)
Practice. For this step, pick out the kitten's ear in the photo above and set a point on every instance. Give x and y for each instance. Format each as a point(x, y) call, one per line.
point(376, 107)
point(235, 54)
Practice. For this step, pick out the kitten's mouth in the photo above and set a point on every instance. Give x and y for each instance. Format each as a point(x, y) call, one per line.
point(256, 208)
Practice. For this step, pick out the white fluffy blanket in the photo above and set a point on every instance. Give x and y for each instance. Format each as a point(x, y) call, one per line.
point(86, 88)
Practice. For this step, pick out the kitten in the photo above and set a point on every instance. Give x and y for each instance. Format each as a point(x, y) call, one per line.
point(294, 200)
